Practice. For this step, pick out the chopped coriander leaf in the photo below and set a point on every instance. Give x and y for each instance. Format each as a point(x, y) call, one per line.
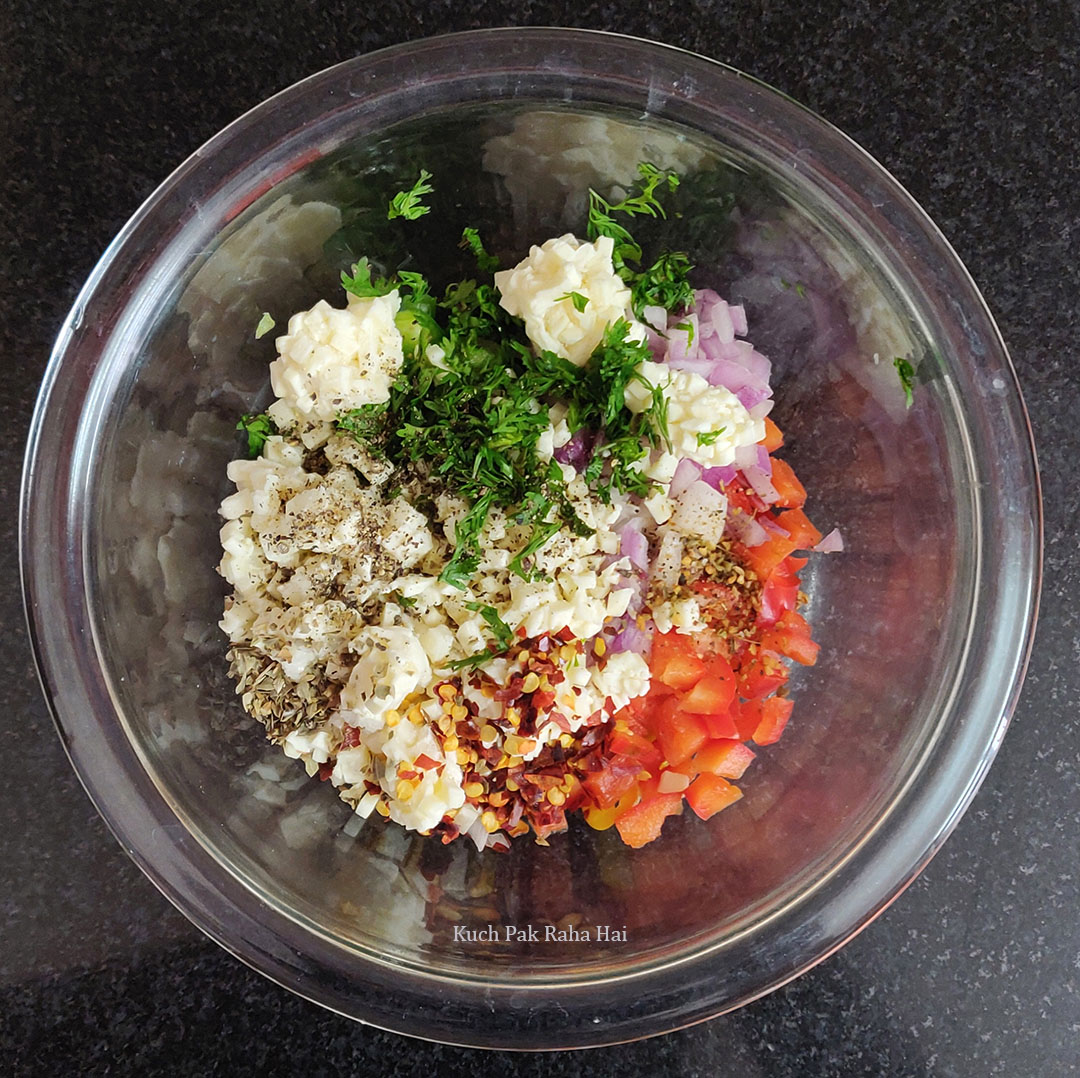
point(601, 223)
point(709, 437)
point(466, 547)
point(801, 289)
point(664, 284)
point(487, 263)
point(504, 635)
point(471, 661)
point(257, 428)
point(407, 601)
point(906, 373)
point(360, 283)
point(541, 534)
point(579, 301)
point(408, 204)
point(688, 329)
point(266, 323)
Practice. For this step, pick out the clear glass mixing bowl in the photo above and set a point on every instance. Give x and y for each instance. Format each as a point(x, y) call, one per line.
point(925, 620)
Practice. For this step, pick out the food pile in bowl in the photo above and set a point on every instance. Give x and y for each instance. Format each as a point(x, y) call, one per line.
point(522, 548)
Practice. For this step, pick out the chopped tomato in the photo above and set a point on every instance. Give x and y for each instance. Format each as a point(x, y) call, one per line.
point(792, 492)
point(773, 439)
point(765, 557)
point(630, 743)
point(681, 735)
point(791, 637)
point(712, 695)
point(682, 671)
point(708, 794)
point(796, 523)
point(721, 725)
point(641, 824)
point(763, 675)
point(780, 592)
point(775, 713)
point(674, 661)
point(618, 775)
point(726, 757)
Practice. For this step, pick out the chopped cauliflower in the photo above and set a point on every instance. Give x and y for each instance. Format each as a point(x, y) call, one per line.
point(541, 289)
point(334, 360)
point(706, 423)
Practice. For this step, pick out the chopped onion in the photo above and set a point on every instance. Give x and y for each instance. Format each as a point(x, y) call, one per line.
point(718, 477)
point(672, 782)
point(686, 473)
point(833, 543)
point(576, 451)
point(750, 396)
point(667, 564)
point(701, 510)
point(764, 461)
point(760, 411)
point(746, 457)
point(631, 639)
point(762, 484)
point(683, 343)
point(656, 317)
point(738, 318)
point(746, 529)
point(634, 545)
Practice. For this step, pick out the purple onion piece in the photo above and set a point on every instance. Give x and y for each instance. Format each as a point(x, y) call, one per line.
point(686, 472)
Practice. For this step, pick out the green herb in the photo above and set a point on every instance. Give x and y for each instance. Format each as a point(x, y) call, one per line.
point(665, 283)
point(266, 323)
point(645, 202)
point(470, 239)
point(360, 283)
point(906, 373)
point(406, 601)
point(408, 204)
point(708, 437)
point(472, 661)
point(504, 635)
point(257, 428)
point(801, 289)
point(541, 534)
point(466, 548)
point(471, 425)
point(688, 329)
point(580, 302)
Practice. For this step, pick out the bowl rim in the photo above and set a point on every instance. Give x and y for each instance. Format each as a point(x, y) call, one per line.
point(187, 875)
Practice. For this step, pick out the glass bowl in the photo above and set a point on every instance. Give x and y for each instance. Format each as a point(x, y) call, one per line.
point(925, 620)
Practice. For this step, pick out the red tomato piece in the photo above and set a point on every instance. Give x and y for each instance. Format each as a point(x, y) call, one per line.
point(765, 557)
point(639, 825)
point(712, 695)
point(708, 794)
point(792, 492)
point(721, 725)
point(682, 671)
point(791, 637)
point(615, 779)
point(796, 523)
point(773, 439)
point(726, 757)
point(633, 744)
point(762, 676)
point(775, 713)
point(779, 593)
point(681, 735)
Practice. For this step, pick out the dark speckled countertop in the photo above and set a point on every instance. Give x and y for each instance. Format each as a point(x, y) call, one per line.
point(975, 970)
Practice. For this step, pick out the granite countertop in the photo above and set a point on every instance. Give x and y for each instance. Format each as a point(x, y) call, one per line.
point(976, 109)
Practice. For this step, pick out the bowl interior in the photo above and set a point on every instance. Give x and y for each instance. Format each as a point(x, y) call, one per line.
point(892, 612)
